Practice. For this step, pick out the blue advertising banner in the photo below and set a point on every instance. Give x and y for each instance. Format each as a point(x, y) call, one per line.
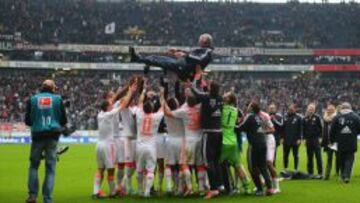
point(68, 140)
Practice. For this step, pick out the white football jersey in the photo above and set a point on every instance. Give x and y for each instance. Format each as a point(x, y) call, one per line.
point(106, 124)
point(147, 125)
point(191, 119)
point(116, 120)
point(266, 121)
point(128, 122)
point(175, 127)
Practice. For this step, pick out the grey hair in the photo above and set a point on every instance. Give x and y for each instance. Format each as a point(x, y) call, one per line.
point(208, 38)
point(346, 105)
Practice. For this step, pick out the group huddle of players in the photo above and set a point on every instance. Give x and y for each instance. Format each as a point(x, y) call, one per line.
point(193, 135)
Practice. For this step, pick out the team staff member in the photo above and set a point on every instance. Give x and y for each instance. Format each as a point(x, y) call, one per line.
point(344, 131)
point(45, 114)
point(257, 125)
point(211, 107)
point(328, 117)
point(292, 136)
point(312, 127)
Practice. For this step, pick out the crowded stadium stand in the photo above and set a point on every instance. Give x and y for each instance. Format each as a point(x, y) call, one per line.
point(292, 25)
point(84, 89)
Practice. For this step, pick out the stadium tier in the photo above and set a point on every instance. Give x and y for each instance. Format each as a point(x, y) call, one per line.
point(290, 25)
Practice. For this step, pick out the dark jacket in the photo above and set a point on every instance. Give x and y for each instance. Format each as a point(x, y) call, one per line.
point(344, 131)
point(211, 109)
point(326, 131)
point(251, 126)
point(199, 56)
point(278, 122)
point(312, 129)
point(292, 129)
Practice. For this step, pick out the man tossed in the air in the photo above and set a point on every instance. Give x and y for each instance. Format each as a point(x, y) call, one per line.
point(184, 64)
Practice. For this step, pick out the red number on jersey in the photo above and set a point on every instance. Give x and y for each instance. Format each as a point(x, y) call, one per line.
point(194, 119)
point(146, 125)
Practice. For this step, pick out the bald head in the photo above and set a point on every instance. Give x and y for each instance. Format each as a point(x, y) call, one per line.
point(48, 85)
point(346, 105)
point(205, 40)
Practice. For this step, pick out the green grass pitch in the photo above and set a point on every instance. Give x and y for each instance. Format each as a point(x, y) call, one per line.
point(76, 169)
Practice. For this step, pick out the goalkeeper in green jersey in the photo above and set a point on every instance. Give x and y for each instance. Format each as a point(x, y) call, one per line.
point(230, 152)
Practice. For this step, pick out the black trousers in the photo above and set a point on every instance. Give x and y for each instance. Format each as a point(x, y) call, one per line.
point(167, 63)
point(346, 162)
point(329, 164)
point(314, 149)
point(295, 151)
point(257, 165)
point(213, 152)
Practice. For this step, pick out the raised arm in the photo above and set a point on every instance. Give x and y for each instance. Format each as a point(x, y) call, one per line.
point(120, 93)
point(197, 92)
point(142, 98)
point(131, 91)
point(165, 107)
point(278, 120)
point(165, 83)
point(244, 125)
point(143, 94)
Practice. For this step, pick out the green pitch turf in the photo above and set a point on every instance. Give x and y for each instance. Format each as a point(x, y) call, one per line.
point(76, 169)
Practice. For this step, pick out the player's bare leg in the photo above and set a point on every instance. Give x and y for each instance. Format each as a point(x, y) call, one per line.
point(275, 180)
point(161, 171)
point(120, 177)
point(111, 182)
point(99, 176)
point(201, 175)
point(175, 177)
point(169, 179)
point(243, 177)
point(149, 180)
point(129, 172)
point(140, 182)
point(185, 175)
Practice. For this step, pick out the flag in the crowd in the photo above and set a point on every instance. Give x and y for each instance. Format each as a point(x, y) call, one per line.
point(110, 28)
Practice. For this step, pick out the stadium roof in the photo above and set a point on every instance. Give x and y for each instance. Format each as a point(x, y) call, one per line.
point(255, 1)
point(275, 1)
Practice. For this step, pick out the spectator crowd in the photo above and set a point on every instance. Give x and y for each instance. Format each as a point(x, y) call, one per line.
point(179, 23)
point(84, 90)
